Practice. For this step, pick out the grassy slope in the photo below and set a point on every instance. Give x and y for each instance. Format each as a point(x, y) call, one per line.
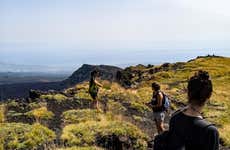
point(128, 105)
point(218, 110)
point(174, 83)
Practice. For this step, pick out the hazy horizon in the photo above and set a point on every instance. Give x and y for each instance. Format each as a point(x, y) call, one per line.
point(115, 58)
point(70, 33)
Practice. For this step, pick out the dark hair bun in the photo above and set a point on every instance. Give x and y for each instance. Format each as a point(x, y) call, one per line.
point(156, 86)
point(94, 73)
point(203, 75)
point(199, 87)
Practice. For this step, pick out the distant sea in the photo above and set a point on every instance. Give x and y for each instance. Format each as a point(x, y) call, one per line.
point(128, 57)
point(71, 60)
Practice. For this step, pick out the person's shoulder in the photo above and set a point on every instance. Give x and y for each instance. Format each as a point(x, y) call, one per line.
point(212, 134)
point(177, 115)
point(177, 112)
point(212, 129)
point(208, 126)
point(160, 94)
point(177, 119)
point(202, 123)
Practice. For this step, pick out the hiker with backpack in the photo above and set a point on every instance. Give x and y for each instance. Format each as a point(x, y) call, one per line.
point(94, 88)
point(188, 130)
point(158, 106)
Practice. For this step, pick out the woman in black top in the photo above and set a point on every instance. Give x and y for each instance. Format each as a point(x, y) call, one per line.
point(188, 130)
point(94, 88)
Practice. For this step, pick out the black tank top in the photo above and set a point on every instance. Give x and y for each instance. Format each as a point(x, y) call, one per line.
point(154, 102)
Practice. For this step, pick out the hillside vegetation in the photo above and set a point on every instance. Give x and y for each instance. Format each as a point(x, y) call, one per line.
point(174, 77)
point(66, 121)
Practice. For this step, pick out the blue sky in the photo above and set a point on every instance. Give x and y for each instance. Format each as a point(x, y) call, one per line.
point(32, 31)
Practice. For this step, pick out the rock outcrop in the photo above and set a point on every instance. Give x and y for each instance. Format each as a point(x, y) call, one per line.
point(83, 74)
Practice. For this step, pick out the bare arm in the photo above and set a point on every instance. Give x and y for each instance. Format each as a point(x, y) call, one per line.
point(98, 84)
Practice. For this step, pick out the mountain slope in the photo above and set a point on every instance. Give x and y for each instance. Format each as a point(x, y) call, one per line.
point(20, 90)
point(125, 122)
point(83, 74)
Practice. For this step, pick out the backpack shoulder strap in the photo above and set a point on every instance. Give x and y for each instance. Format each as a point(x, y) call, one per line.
point(165, 96)
point(179, 111)
point(203, 123)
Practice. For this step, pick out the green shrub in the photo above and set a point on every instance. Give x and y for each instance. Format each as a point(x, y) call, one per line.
point(36, 105)
point(16, 106)
point(123, 96)
point(12, 103)
point(56, 97)
point(145, 94)
point(142, 108)
point(163, 74)
point(82, 115)
point(115, 107)
point(59, 97)
point(48, 97)
point(83, 94)
point(82, 134)
point(88, 133)
point(12, 113)
point(2, 111)
point(82, 148)
point(40, 114)
point(23, 136)
point(137, 118)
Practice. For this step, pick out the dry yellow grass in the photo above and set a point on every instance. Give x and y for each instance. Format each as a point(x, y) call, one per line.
point(2, 118)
